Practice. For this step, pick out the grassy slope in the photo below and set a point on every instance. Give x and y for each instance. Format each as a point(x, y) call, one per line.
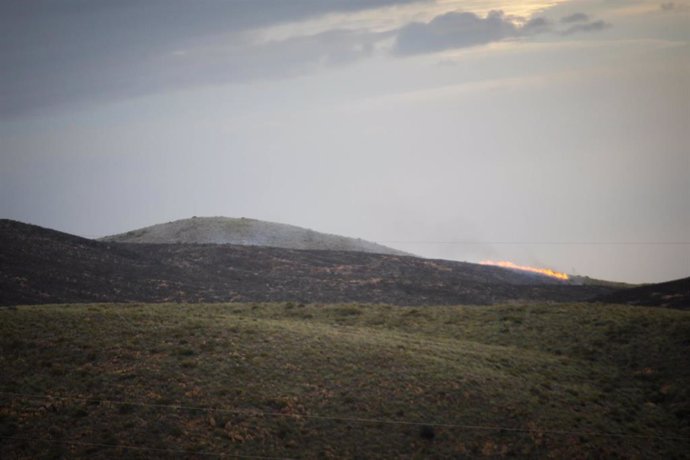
point(243, 231)
point(117, 373)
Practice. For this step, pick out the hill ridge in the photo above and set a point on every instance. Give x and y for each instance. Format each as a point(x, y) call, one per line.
point(246, 232)
point(39, 265)
point(669, 294)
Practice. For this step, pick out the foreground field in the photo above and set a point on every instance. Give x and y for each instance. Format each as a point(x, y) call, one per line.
point(339, 381)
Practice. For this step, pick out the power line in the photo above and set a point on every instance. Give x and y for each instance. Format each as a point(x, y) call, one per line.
point(144, 448)
point(581, 243)
point(352, 419)
point(468, 242)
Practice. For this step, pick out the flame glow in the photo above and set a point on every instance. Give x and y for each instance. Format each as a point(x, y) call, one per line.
point(541, 271)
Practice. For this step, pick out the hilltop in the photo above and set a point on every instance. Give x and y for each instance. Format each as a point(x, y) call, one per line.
point(246, 232)
point(39, 265)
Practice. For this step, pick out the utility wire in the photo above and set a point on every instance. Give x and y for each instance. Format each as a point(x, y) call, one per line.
point(95, 237)
point(144, 448)
point(353, 419)
point(583, 243)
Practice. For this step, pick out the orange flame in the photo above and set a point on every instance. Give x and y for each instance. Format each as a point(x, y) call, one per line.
point(541, 271)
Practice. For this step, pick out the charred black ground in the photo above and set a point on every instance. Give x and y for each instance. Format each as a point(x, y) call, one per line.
point(672, 294)
point(39, 266)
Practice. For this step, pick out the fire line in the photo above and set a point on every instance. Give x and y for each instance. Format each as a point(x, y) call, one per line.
point(541, 271)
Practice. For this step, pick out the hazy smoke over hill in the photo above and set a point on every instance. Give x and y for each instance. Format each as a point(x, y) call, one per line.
point(246, 232)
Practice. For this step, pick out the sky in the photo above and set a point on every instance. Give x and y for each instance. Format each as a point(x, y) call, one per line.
point(546, 133)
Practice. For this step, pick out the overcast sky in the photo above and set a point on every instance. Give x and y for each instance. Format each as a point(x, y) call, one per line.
point(550, 133)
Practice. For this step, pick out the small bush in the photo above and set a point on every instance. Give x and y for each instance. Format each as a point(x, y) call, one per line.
point(427, 432)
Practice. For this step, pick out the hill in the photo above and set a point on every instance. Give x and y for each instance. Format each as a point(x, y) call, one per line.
point(672, 294)
point(344, 381)
point(39, 265)
point(246, 232)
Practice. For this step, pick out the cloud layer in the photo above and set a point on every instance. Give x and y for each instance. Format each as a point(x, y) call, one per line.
point(454, 30)
point(593, 26)
point(461, 30)
point(73, 52)
point(575, 17)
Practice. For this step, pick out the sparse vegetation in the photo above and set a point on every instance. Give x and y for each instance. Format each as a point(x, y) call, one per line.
point(295, 380)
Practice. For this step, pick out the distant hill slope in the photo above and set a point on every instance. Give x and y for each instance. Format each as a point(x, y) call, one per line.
point(39, 265)
point(246, 232)
point(672, 294)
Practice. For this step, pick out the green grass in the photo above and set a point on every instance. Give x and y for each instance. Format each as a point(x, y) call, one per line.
point(343, 381)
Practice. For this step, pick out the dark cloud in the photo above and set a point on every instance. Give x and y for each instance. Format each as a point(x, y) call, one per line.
point(593, 26)
point(218, 63)
point(672, 6)
point(460, 30)
point(454, 30)
point(576, 17)
point(536, 25)
point(76, 52)
point(73, 51)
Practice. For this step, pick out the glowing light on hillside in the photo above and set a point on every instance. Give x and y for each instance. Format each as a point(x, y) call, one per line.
point(541, 271)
